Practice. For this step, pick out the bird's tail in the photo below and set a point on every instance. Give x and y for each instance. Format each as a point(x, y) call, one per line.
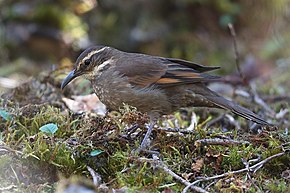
point(221, 102)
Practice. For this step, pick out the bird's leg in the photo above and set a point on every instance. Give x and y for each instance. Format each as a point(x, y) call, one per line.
point(144, 143)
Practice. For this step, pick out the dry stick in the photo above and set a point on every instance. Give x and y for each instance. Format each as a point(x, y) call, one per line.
point(218, 141)
point(213, 121)
point(6, 148)
point(252, 168)
point(7, 188)
point(214, 182)
point(247, 164)
point(161, 165)
point(184, 131)
point(257, 99)
point(233, 33)
point(274, 99)
point(260, 101)
point(252, 181)
point(96, 177)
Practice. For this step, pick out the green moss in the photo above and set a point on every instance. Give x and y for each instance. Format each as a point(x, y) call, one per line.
point(68, 150)
point(277, 185)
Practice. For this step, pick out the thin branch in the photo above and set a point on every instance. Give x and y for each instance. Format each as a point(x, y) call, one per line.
point(8, 149)
point(252, 168)
point(257, 99)
point(260, 101)
point(274, 99)
point(207, 187)
point(237, 57)
point(218, 141)
point(7, 188)
point(97, 179)
point(184, 131)
point(161, 165)
point(213, 121)
point(254, 184)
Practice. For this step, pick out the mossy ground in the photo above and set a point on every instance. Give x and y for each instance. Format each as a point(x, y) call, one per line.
point(34, 161)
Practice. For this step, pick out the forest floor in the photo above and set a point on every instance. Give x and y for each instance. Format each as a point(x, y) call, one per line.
point(50, 141)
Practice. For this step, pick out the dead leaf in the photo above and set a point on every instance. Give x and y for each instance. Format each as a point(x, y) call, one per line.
point(85, 103)
point(186, 176)
point(215, 160)
point(197, 165)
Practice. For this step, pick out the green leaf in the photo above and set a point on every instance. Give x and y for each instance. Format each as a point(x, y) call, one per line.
point(49, 128)
point(5, 115)
point(96, 152)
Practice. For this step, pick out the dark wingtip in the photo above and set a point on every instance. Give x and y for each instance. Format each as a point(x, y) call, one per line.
point(193, 65)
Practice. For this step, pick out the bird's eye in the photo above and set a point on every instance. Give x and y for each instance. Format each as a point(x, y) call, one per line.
point(87, 62)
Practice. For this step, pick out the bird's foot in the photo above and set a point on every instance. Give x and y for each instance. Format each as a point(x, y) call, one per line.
point(146, 142)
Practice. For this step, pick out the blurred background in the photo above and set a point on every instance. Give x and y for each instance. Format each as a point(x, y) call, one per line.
point(41, 36)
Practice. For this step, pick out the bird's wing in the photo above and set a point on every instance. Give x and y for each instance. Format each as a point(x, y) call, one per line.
point(185, 72)
point(143, 71)
point(192, 65)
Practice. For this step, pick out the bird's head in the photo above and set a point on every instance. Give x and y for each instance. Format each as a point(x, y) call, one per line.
point(90, 63)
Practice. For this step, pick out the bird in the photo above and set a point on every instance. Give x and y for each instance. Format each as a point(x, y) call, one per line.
point(154, 85)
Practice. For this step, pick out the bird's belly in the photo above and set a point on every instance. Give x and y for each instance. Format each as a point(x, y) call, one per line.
point(147, 100)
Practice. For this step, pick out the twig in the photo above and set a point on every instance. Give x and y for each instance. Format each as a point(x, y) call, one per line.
point(7, 188)
point(213, 121)
point(282, 146)
point(193, 123)
point(260, 101)
point(273, 99)
point(252, 181)
point(252, 168)
point(5, 149)
point(96, 177)
point(237, 57)
point(161, 165)
point(207, 187)
point(184, 131)
point(232, 121)
point(247, 164)
point(218, 141)
point(257, 99)
point(282, 113)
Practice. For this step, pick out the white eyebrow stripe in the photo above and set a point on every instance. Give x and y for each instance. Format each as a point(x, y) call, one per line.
point(100, 67)
point(105, 63)
point(92, 53)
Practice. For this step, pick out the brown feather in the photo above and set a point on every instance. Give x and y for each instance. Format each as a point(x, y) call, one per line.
point(141, 70)
point(167, 81)
point(144, 70)
point(192, 65)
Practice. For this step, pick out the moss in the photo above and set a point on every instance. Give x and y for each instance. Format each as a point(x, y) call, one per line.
point(42, 156)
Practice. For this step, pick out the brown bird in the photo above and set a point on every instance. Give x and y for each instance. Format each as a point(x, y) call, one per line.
point(154, 85)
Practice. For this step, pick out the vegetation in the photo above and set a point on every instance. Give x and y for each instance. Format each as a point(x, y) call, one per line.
point(48, 145)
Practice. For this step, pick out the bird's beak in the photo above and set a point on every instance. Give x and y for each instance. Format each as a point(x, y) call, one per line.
point(72, 75)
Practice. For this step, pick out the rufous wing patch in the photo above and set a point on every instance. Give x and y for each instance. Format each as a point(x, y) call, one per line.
point(168, 81)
